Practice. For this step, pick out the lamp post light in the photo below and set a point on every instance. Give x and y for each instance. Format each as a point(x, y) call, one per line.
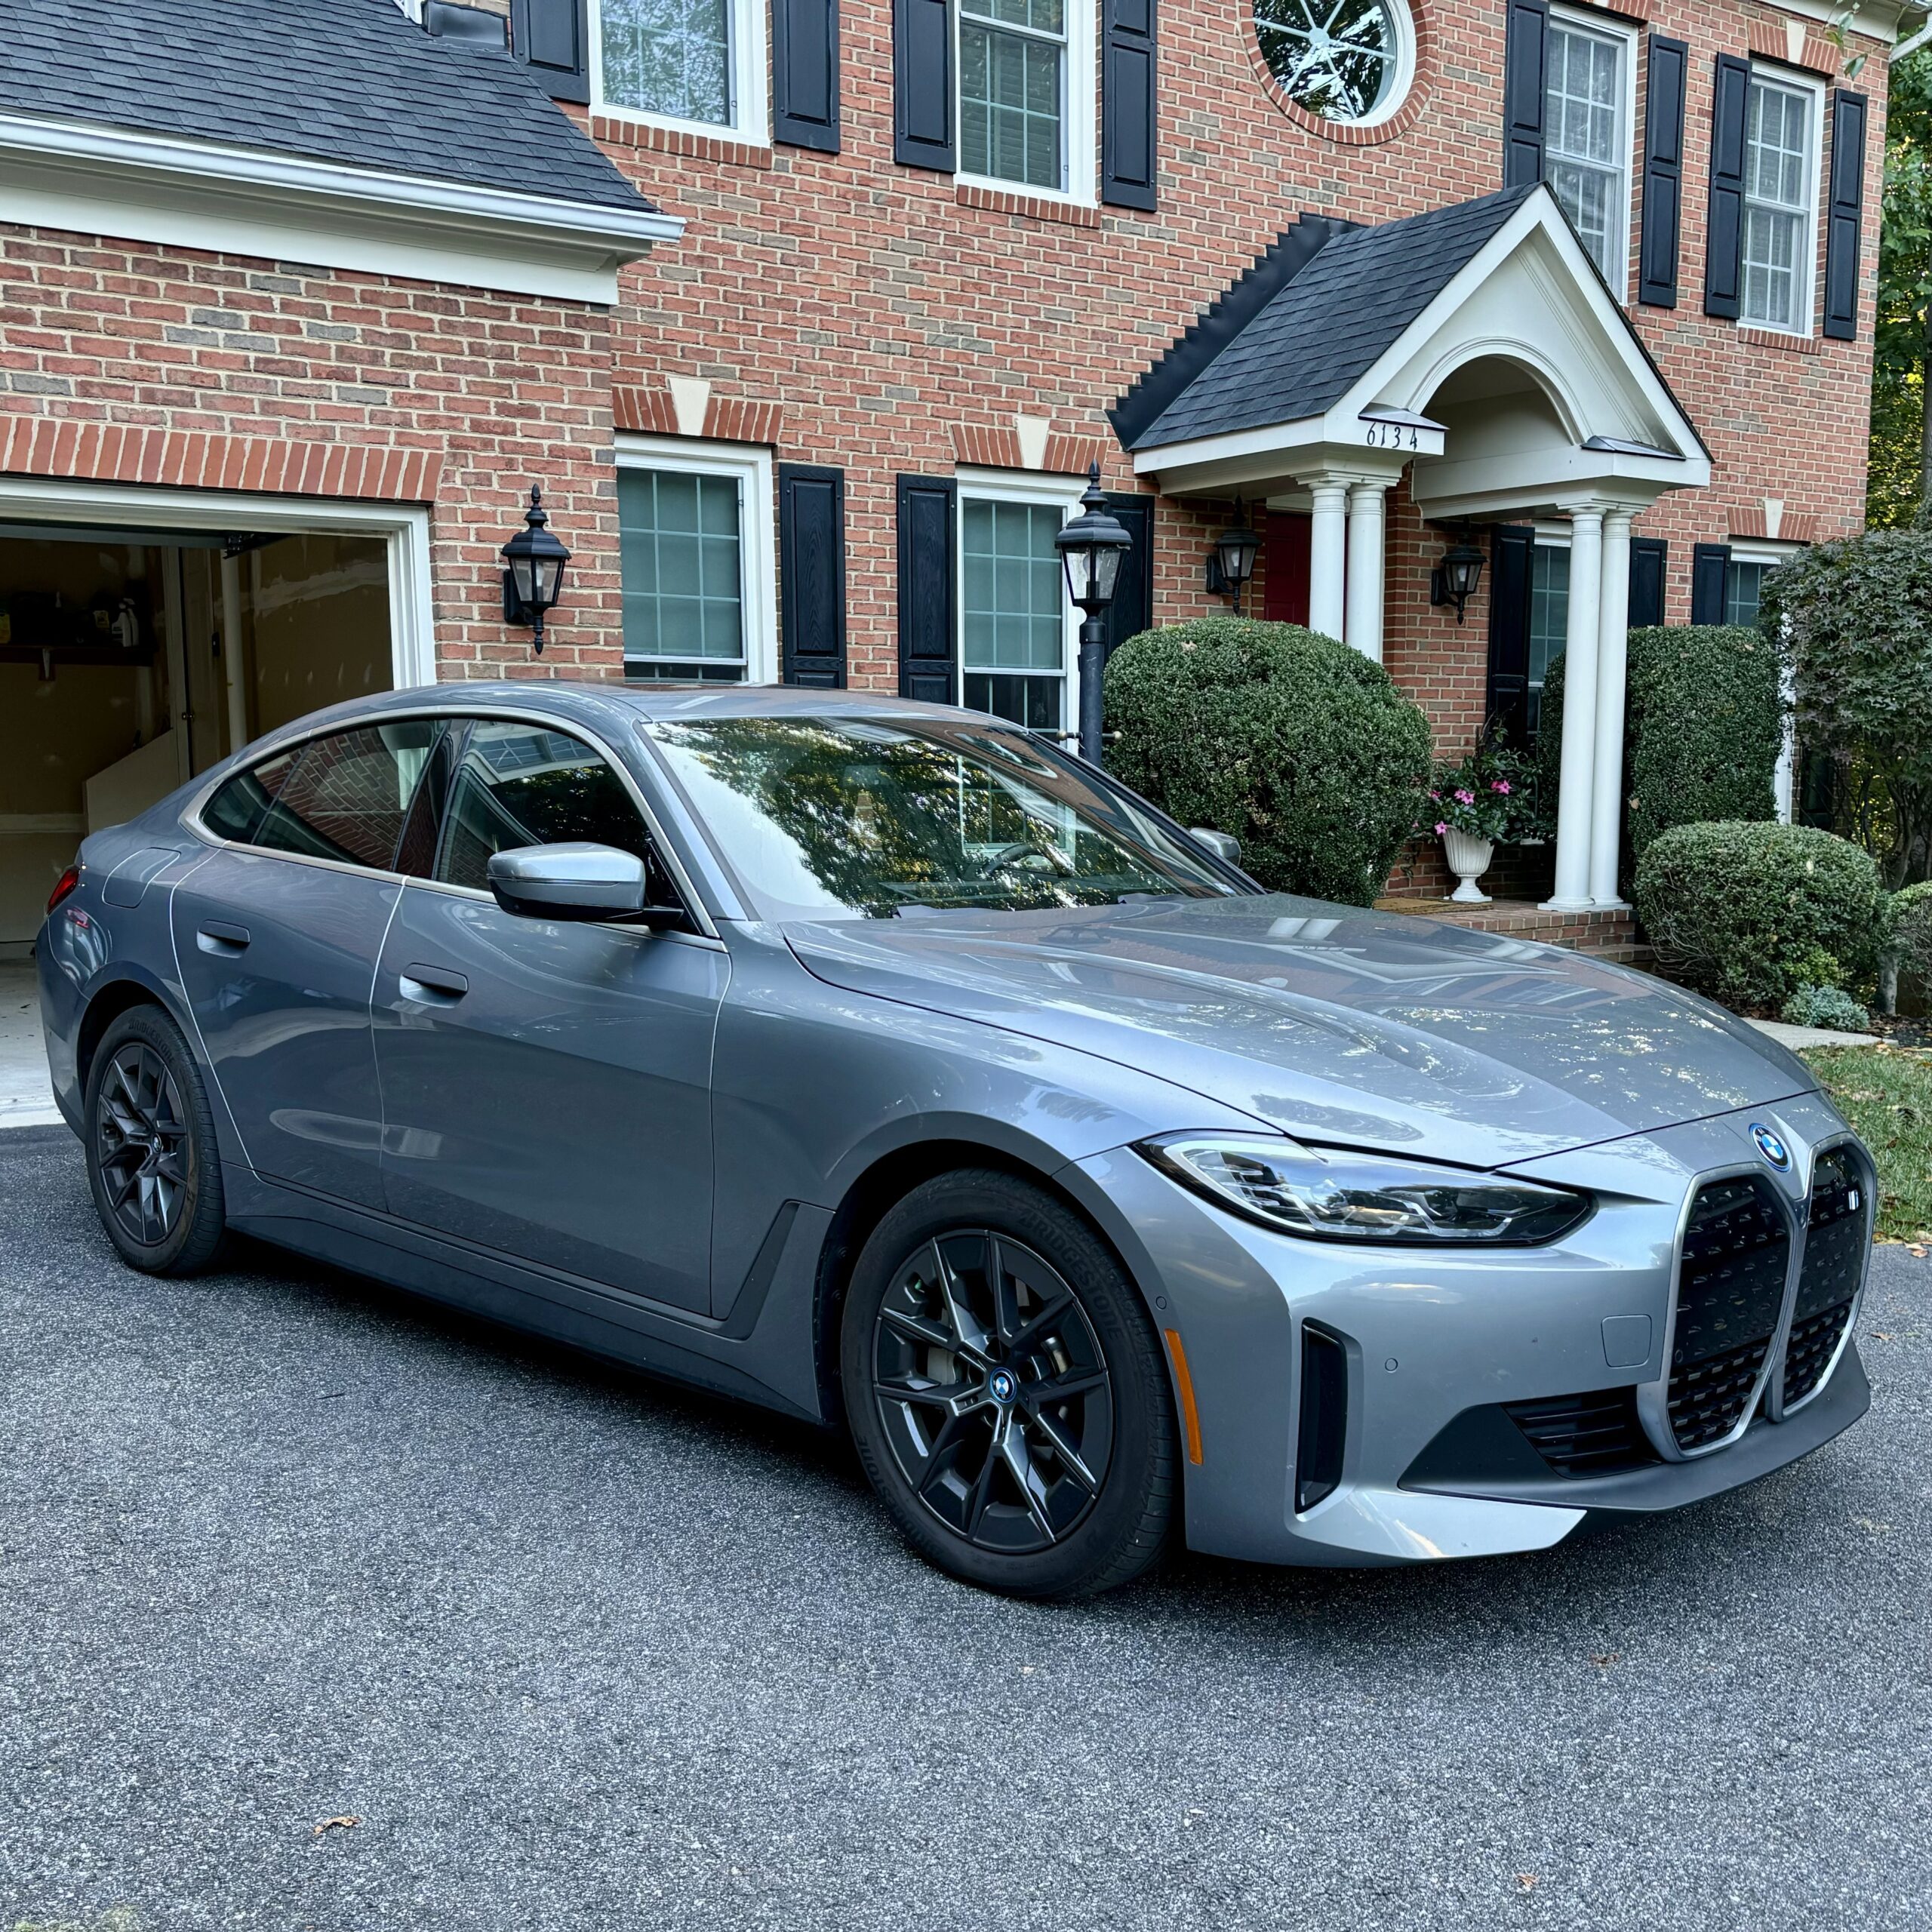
point(1231, 564)
point(1454, 579)
point(534, 562)
point(1091, 548)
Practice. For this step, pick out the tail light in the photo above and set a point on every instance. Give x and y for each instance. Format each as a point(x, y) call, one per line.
point(64, 887)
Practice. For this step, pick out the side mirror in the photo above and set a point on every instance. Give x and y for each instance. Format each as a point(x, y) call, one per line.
point(1224, 845)
point(575, 882)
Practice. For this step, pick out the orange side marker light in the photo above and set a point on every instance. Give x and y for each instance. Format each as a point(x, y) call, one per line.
point(1184, 1382)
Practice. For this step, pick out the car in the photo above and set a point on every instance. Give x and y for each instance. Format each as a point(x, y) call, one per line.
point(885, 1064)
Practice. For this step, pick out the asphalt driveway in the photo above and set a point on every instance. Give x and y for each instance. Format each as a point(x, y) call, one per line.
point(278, 1548)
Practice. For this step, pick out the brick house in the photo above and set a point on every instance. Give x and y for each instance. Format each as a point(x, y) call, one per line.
point(809, 319)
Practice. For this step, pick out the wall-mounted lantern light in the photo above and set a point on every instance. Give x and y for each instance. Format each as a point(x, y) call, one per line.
point(1454, 579)
point(534, 564)
point(1091, 547)
point(1231, 562)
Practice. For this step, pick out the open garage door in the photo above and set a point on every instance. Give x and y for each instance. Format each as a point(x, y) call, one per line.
point(133, 657)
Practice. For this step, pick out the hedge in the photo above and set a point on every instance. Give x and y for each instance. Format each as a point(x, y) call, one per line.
point(1703, 726)
point(1302, 748)
point(1750, 912)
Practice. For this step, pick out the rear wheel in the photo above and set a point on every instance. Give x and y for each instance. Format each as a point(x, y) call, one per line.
point(1006, 1390)
point(151, 1154)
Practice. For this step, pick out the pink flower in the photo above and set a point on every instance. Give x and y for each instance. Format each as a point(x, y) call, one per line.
point(1440, 830)
point(1500, 785)
point(1467, 797)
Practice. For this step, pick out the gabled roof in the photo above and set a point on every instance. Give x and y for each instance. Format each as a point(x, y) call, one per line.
point(1341, 309)
point(350, 82)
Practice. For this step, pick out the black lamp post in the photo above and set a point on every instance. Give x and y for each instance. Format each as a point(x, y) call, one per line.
point(1233, 563)
point(1091, 548)
point(534, 564)
point(1454, 579)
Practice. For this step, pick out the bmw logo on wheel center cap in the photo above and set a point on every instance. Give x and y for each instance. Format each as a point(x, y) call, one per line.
point(1772, 1149)
point(1000, 1385)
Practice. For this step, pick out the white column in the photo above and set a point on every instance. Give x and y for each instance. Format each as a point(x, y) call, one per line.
point(1328, 544)
point(1612, 655)
point(1580, 714)
point(1365, 568)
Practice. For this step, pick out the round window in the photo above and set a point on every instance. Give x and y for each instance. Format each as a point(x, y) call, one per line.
point(1343, 59)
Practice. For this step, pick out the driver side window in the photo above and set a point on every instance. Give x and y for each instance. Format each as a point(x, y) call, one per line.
point(524, 784)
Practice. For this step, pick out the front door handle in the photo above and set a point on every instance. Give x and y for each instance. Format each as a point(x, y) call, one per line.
point(225, 942)
point(431, 985)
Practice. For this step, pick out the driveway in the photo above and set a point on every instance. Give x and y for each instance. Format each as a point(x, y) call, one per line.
point(278, 1548)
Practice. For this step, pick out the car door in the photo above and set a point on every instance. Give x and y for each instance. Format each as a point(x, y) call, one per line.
point(277, 934)
point(546, 1085)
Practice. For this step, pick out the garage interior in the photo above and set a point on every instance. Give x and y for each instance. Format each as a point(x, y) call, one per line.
point(132, 660)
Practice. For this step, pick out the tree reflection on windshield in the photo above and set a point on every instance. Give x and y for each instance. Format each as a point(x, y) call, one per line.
point(830, 816)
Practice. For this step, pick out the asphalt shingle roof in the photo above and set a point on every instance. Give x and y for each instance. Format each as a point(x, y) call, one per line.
point(1323, 331)
point(350, 82)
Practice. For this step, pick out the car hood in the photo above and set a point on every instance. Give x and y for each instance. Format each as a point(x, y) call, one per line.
point(1382, 1030)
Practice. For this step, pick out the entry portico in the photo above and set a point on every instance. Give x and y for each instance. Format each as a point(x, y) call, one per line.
point(1477, 348)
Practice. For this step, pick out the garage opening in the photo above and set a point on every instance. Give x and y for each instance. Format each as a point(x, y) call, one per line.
point(132, 660)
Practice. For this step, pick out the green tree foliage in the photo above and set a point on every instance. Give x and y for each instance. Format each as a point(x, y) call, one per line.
point(1855, 618)
point(1898, 390)
point(1703, 725)
point(1302, 748)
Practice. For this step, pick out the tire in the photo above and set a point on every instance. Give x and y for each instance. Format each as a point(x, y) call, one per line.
point(153, 1161)
point(1028, 1446)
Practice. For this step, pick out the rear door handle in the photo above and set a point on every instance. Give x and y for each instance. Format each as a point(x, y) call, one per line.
point(225, 942)
point(430, 984)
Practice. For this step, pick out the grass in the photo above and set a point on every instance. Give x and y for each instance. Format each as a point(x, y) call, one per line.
point(1886, 1093)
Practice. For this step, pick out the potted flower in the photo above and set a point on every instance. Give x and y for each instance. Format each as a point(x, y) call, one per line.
point(1472, 804)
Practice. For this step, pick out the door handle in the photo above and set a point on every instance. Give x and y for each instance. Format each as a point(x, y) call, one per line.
point(430, 984)
point(225, 942)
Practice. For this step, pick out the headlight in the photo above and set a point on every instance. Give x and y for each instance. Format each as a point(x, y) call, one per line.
point(1333, 1195)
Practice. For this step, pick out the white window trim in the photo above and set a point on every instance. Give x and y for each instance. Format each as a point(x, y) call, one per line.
point(1010, 486)
point(1080, 87)
point(1792, 82)
point(757, 566)
point(750, 120)
point(1602, 28)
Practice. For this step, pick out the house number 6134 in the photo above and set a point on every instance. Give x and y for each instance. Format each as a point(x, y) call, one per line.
point(1392, 436)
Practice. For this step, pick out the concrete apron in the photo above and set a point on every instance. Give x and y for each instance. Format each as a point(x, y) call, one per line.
point(27, 1099)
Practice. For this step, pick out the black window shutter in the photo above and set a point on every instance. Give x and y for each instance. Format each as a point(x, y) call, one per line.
point(922, 84)
point(811, 574)
point(1127, 105)
point(1846, 215)
point(804, 73)
point(1132, 610)
point(1650, 557)
point(1522, 91)
point(553, 38)
point(926, 629)
point(1724, 233)
point(1663, 172)
point(1511, 548)
point(1710, 565)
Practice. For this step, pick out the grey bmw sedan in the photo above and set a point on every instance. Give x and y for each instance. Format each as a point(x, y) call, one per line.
point(878, 1062)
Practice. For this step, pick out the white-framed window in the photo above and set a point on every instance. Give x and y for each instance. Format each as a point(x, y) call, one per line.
point(1353, 61)
point(1026, 84)
point(1018, 632)
point(1549, 614)
point(693, 64)
point(694, 528)
point(1589, 110)
point(1780, 201)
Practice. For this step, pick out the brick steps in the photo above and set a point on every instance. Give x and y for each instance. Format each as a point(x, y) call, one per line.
point(1609, 934)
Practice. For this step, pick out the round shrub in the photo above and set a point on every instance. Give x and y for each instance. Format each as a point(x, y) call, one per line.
point(1742, 911)
point(1911, 916)
point(1830, 1007)
point(1302, 748)
point(1703, 726)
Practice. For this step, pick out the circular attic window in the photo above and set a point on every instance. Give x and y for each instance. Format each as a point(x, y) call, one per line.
point(1340, 59)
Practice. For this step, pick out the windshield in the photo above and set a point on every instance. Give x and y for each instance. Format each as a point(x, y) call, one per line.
point(868, 818)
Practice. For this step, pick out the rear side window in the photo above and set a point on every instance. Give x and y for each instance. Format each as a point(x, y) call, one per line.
point(525, 785)
point(344, 796)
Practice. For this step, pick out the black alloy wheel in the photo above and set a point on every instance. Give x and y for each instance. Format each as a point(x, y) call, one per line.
point(1006, 1390)
point(992, 1390)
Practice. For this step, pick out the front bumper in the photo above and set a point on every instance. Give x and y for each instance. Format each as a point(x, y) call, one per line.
point(1439, 1350)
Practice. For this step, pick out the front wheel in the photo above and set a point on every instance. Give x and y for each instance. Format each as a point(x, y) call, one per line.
point(1006, 1390)
point(152, 1159)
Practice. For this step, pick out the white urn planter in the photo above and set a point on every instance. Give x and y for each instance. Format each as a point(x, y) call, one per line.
point(1469, 859)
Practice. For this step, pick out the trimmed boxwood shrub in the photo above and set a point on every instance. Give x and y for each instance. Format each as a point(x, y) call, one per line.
point(1703, 725)
point(1911, 916)
point(1829, 1006)
point(1750, 913)
point(1302, 748)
